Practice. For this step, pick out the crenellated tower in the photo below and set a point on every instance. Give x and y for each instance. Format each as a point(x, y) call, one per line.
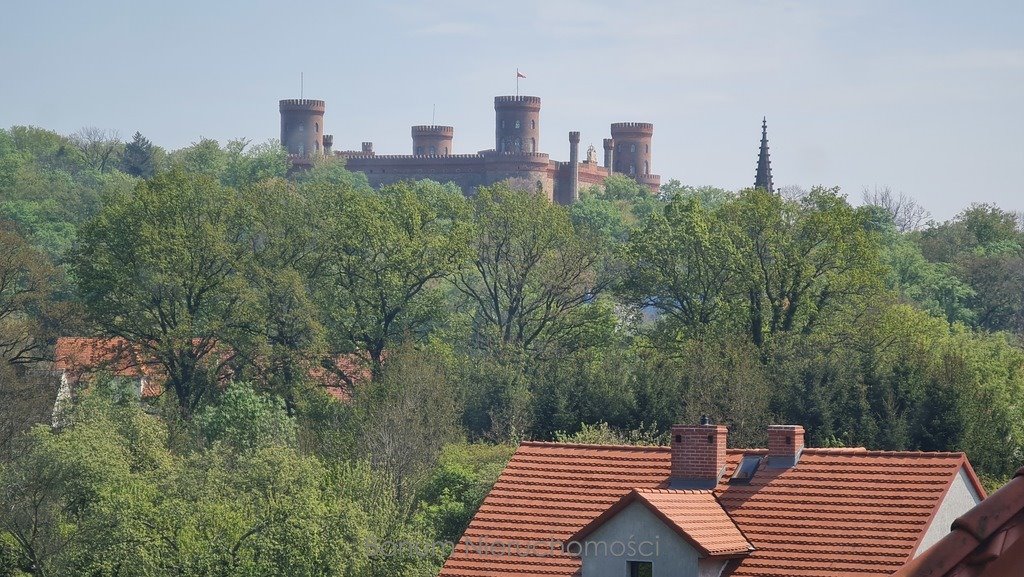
point(632, 141)
point(763, 178)
point(516, 124)
point(432, 140)
point(302, 127)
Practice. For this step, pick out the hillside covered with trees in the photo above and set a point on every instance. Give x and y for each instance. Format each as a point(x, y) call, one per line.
point(477, 323)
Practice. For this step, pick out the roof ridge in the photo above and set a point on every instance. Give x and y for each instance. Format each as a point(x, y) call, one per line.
point(652, 448)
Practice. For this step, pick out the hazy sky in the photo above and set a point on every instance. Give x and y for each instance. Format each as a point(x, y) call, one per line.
point(923, 97)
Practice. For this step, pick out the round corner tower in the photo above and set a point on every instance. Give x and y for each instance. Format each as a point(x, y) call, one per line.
point(432, 140)
point(302, 126)
point(632, 154)
point(517, 124)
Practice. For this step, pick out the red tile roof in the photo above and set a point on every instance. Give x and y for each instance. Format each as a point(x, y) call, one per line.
point(80, 357)
point(838, 512)
point(987, 541)
point(693, 514)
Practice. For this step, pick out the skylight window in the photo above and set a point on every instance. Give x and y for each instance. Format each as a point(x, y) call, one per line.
point(746, 469)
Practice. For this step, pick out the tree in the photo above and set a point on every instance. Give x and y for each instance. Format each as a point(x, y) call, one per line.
point(533, 274)
point(138, 157)
point(684, 264)
point(803, 260)
point(100, 148)
point(409, 416)
point(164, 268)
point(907, 215)
point(247, 166)
point(388, 253)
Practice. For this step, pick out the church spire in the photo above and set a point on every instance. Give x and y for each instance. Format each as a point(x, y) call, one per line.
point(764, 165)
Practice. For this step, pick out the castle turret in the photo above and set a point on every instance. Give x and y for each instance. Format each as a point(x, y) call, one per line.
point(328, 144)
point(609, 148)
point(517, 124)
point(763, 178)
point(574, 166)
point(432, 140)
point(632, 148)
point(302, 126)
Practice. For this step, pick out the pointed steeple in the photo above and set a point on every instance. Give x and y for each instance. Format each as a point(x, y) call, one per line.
point(764, 164)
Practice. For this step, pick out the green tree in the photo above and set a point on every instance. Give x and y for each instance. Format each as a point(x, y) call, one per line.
point(533, 274)
point(388, 253)
point(804, 261)
point(684, 263)
point(164, 268)
point(138, 157)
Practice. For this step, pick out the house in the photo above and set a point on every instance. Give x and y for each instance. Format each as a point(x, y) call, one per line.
point(78, 359)
point(698, 509)
point(987, 541)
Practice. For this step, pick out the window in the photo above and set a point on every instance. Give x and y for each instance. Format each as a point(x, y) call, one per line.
point(517, 124)
point(446, 150)
point(533, 145)
point(641, 569)
point(302, 150)
point(632, 148)
point(419, 150)
point(316, 127)
point(632, 169)
point(302, 128)
point(316, 147)
point(433, 150)
point(647, 167)
point(503, 124)
point(533, 124)
point(647, 148)
point(746, 469)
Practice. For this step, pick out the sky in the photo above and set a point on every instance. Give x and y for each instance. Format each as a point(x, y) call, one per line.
point(925, 98)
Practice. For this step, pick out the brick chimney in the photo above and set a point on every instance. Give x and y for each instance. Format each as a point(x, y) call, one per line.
point(698, 455)
point(785, 444)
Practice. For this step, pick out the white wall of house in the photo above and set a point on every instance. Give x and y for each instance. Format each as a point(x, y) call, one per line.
point(960, 498)
point(671, 556)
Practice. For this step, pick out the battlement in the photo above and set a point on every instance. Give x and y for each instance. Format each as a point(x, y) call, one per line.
point(516, 101)
point(574, 137)
point(361, 156)
point(432, 129)
point(609, 144)
point(632, 127)
point(303, 104)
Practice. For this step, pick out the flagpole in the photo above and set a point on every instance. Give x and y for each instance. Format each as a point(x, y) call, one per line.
point(517, 83)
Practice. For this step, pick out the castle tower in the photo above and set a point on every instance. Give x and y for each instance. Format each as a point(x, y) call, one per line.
point(609, 147)
point(517, 124)
point(574, 166)
point(632, 154)
point(302, 126)
point(763, 178)
point(432, 140)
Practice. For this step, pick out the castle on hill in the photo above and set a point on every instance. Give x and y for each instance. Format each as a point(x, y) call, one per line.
point(516, 153)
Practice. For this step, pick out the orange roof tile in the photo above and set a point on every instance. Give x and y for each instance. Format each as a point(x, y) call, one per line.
point(694, 514)
point(79, 357)
point(839, 511)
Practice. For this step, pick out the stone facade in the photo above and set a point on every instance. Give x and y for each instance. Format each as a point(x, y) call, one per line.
point(516, 154)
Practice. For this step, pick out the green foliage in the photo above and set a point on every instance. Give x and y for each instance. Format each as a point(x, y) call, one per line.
point(163, 267)
point(464, 475)
point(246, 420)
point(138, 157)
point(388, 253)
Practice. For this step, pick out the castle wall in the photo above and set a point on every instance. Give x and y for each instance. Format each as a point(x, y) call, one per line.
point(465, 170)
